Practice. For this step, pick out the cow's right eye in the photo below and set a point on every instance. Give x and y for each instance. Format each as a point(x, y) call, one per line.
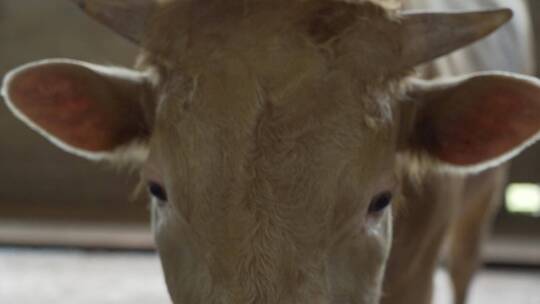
point(157, 191)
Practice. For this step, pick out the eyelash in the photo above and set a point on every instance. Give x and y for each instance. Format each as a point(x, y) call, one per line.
point(380, 202)
point(157, 191)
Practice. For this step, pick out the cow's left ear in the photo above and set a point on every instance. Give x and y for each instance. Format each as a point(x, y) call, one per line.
point(96, 112)
point(471, 123)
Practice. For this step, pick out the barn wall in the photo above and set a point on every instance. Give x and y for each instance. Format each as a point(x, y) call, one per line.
point(535, 10)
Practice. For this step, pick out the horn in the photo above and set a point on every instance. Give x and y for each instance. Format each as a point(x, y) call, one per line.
point(432, 35)
point(126, 17)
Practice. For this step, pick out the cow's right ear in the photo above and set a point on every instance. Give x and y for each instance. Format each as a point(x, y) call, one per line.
point(96, 112)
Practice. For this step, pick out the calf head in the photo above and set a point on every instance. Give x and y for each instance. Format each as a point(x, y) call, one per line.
point(270, 132)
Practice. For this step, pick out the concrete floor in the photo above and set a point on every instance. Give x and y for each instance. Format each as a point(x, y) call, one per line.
point(37, 277)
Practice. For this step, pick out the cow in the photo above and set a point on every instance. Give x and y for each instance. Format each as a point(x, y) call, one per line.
point(278, 137)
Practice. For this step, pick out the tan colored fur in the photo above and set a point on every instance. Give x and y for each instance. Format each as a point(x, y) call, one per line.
point(265, 136)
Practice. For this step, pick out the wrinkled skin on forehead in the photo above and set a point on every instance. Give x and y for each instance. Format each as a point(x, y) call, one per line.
point(271, 148)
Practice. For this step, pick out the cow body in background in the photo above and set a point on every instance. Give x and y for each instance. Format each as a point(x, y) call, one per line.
point(274, 135)
point(452, 210)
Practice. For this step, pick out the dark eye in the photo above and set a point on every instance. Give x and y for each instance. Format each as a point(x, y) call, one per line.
point(157, 191)
point(380, 202)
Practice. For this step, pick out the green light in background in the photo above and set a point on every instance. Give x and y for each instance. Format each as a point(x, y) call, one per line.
point(523, 199)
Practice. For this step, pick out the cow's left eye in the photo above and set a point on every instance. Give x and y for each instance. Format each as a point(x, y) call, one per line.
point(380, 202)
point(157, 191)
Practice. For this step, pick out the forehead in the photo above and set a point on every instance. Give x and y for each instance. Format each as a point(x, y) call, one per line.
point(185, 34)
point(231, 108)
point(243, 69)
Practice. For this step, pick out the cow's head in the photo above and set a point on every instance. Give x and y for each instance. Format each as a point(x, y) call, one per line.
point(270, 133)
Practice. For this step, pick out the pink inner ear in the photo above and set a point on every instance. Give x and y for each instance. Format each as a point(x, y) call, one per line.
point(72, 104)
point(481, 120)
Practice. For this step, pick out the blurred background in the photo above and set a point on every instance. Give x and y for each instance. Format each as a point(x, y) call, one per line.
point(49, 199)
